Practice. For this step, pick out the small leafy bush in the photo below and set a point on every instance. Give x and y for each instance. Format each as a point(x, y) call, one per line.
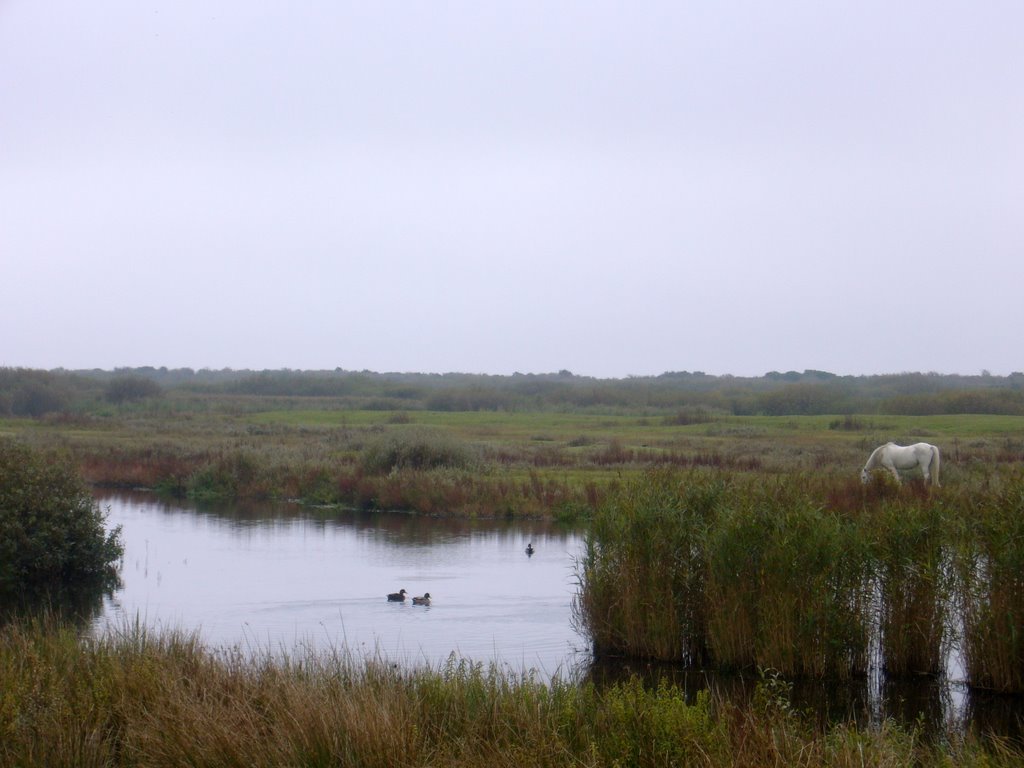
point(52, 532)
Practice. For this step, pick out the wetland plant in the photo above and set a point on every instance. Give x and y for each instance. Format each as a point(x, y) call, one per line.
point(991, 588)
point(643, 569)
point(914, 577)
point(787, 586)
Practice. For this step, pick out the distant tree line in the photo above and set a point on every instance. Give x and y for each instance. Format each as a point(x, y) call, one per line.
point(36, 393)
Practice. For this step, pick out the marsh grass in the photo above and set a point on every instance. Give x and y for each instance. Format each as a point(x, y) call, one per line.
point(991, 587)
point(806, 577)
point(788, 586)
point(273, 448)
point(914, 539)
point(643, 571)
point(703, 569)
point(138, 697)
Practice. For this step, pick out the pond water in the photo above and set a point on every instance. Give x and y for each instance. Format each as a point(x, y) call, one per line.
point(274, 578)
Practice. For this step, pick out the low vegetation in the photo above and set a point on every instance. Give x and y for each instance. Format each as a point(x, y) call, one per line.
point(137, 698)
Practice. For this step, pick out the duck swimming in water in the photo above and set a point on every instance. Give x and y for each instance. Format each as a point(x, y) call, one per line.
point(397, 597)
point(529, 549)
point(425, 600)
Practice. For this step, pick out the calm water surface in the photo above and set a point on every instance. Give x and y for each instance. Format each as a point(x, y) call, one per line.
point(279, 578)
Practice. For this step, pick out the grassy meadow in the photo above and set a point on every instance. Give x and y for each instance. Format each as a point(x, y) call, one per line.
point(478, 463)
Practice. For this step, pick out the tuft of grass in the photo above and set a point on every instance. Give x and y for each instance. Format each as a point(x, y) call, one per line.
point(700, 568)
point(417, 449)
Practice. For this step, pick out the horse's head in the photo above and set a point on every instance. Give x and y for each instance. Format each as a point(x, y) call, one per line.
point(865, 475)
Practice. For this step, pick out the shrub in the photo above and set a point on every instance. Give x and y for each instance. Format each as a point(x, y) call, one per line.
point(415, 449)
point(51, 530)
point(38, 398)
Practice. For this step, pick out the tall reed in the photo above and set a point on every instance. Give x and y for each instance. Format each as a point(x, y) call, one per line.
point(787, 587)
point(991, 583)
point(912, 545)
point(643, 570)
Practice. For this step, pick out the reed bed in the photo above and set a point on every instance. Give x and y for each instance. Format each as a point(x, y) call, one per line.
point(141, 698)
point(643, 572)
point(914, 574)
point(788, 586)
point(807, 577)
point(991, 586)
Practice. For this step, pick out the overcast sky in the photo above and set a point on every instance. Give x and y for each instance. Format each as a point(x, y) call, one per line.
point(610, 188)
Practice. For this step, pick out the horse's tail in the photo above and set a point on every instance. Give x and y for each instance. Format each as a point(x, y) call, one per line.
point(934, 465)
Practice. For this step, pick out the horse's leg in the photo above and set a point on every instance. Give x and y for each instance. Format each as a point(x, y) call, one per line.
point(892, 468)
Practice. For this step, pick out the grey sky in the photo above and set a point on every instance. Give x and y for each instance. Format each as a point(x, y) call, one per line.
point(609, 188)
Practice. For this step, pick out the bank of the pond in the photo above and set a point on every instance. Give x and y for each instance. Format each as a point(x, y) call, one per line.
point(142, 698)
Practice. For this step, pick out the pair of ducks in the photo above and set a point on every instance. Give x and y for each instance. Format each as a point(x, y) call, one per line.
point(399, 597)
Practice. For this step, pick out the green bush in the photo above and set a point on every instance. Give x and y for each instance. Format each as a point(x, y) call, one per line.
point(51, 530)
point(415, 448)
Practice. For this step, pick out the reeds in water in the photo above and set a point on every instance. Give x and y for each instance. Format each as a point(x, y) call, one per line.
point(912, 543)
point(644, 570)
point(700, 570)
point(763, 572)
point(991, 583)
point(787, 586)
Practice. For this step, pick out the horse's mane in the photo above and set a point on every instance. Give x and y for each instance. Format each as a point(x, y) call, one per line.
point(873, 458)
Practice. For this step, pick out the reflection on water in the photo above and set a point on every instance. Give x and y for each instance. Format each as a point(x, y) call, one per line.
point(274, 577)
point(78, 605)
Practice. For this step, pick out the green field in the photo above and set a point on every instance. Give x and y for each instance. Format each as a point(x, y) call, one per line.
point(483, 463)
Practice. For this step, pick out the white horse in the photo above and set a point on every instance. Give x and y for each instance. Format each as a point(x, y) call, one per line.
point(893, 457)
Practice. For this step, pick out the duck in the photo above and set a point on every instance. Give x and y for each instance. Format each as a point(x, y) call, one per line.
point(397, 597)
point(425, 600)
point(529, 549)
